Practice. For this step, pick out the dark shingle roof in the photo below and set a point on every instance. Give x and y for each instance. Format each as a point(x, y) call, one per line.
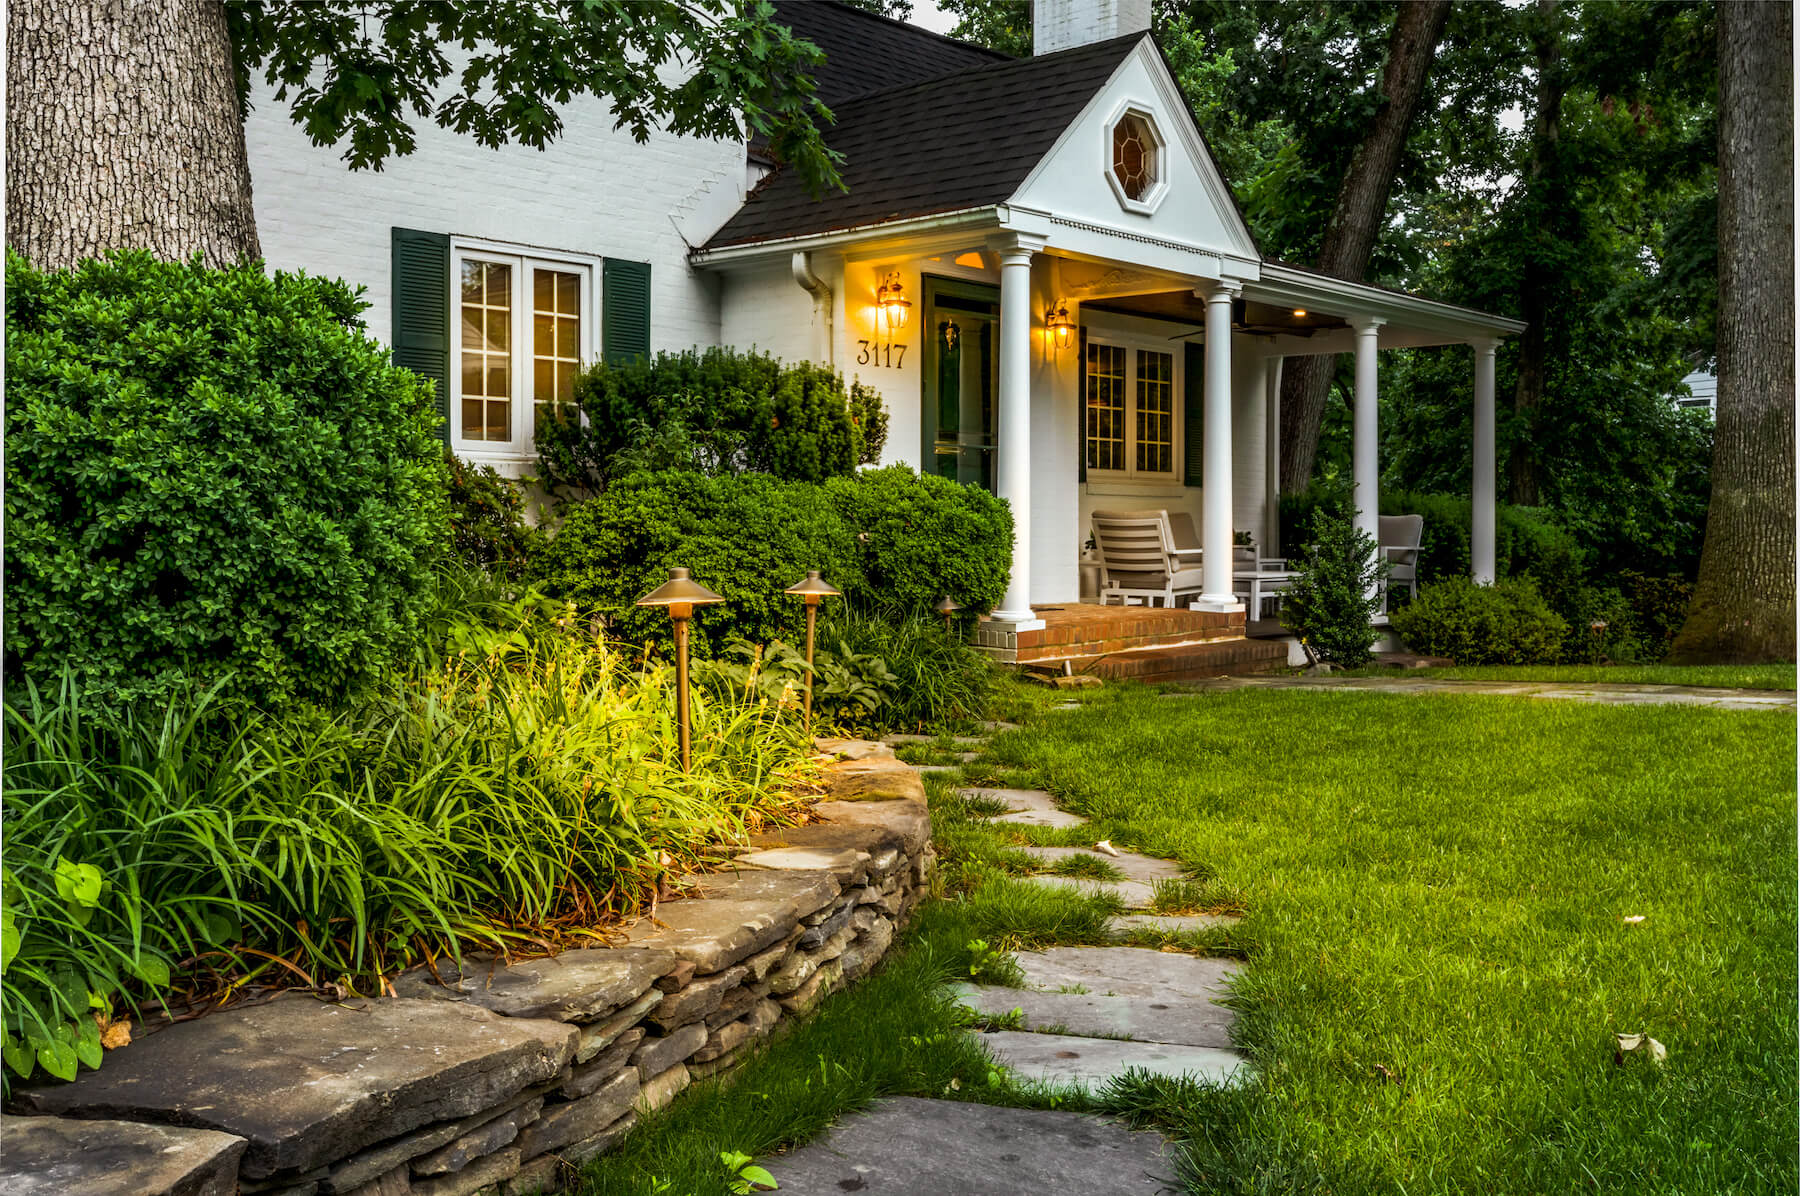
point(866, 53)
point(964, 140)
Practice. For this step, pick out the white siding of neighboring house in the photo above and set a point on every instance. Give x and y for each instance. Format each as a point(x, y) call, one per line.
point(594, 191)
point(1703, 391)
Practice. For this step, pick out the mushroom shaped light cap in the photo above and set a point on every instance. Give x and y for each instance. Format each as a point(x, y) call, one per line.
point(812, 587)
point(680, 590)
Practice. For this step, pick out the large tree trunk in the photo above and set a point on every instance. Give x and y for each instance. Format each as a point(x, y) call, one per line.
point(1535, 281)
point(123, 132)
point(1356, 222)
point(1743, 608)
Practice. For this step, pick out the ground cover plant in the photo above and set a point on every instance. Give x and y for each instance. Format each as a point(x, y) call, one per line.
point(514, 790)
point(1439, 896)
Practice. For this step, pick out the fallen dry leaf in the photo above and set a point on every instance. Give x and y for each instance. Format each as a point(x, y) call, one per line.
point(114, 1034)
point(1634, 919)
point(1632, 1043)
point(1106, 846)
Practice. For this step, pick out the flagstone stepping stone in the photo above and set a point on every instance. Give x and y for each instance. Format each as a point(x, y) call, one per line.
point(1027, 807)
point(1186, 1021)
point(1133, 894)
point(55, 1156)
point(1146, 868)
point(1172, 923)
point(909, 1146)
point(1128, 972)
point(1067, 1059)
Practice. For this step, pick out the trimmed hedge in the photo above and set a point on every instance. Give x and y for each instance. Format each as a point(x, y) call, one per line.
point(717, 411)
point(1505, 623)
point(211, 474)
point(889, 537)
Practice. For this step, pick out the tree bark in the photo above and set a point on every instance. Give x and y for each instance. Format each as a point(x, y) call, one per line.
point(1743, 608)
point(123, 132)
point(1356, 222)
point(1535, 281)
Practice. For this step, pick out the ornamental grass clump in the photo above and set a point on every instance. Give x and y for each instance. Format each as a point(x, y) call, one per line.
point(515, 794)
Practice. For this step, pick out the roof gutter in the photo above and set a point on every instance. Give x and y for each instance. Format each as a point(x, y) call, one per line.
point(1285, 282)
point(801, 265)
point(753, 250)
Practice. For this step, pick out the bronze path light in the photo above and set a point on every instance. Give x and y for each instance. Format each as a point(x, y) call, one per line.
point(812, 589)
point(681, 594)
point(945, 607)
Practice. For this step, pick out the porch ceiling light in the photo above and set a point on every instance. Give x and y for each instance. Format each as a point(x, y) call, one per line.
point(1299, 313)
point(891, 301)
point(1061, 327)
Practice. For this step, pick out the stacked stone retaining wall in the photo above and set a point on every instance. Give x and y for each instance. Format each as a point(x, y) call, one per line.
point(495, 1079)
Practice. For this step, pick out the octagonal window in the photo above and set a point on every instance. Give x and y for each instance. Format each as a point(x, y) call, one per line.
point(1134, 152)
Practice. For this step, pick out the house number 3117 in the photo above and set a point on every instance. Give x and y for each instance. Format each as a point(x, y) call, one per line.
point(885, 354)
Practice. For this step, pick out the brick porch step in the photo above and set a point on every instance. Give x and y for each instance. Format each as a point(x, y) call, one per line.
point(1078, 632)
point(1189, 662)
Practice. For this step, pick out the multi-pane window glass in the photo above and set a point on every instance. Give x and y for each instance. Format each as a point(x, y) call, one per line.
point(526, 328)
point(486, 350)
point(1155, 412)
point(1128, 402)
point(555, 337)
point(1134, 156)
point(1105, 406)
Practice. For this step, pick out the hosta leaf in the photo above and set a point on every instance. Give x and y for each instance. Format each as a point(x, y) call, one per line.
point(151, 970)
point(87, 1042)
point(9, 939)
point(59, 1058)
point(79, 883)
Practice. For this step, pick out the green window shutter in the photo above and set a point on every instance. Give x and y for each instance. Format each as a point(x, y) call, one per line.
point(1193, 412)
point(624, 310)
point(421, 331)
point(1081, 402)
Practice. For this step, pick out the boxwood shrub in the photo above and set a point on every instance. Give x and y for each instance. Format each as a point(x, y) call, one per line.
point(889, 538)
point(1505, 623)
point(211, 474)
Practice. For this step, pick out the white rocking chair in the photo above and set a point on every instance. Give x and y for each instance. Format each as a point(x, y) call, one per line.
point(1138, 561)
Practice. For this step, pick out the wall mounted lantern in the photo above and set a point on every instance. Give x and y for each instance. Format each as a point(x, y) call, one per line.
point(945, 607)
point(1060, 326)
point(681, 594)
point(812, 589)
point(891, 301)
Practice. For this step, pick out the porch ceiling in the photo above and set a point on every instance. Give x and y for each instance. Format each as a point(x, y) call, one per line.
point(1247, 315)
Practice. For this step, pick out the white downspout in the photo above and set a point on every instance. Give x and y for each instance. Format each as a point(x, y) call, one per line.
point(815, 286)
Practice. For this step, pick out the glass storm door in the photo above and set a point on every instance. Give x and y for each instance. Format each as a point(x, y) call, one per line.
point(962, 380)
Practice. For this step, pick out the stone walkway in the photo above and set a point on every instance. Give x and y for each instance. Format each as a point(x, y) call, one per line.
point(1610, 693)
point(1084, 1016)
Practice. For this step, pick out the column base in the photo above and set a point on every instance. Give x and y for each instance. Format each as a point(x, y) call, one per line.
point(1228, 604)
point(1016, 620)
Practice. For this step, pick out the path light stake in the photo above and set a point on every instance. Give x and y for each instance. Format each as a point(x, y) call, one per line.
point(946, 608)
point(812, 589)
point(681, 594)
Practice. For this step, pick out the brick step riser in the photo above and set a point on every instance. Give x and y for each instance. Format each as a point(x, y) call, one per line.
point(1204, 661)
point(1108, 647)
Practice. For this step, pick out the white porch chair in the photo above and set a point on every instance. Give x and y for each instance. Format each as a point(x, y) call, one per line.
point(1255, 579)
point(1138, 561)
point(1399, 537)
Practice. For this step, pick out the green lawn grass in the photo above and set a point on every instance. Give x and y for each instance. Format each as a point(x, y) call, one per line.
point(1436, 891)
point(1731, 676)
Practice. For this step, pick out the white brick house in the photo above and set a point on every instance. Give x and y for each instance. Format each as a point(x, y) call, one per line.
point(1088, 321)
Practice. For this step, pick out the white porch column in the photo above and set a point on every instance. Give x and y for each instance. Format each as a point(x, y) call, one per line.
point(1271, 545)
point(1216, 492)
point(1481, 489)
point(1012, 465)
point(1365, 457)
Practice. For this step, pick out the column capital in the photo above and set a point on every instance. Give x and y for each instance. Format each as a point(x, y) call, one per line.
point(1484, 344)
point(1015, 245)
point(1210, 289)
point(1363, 324)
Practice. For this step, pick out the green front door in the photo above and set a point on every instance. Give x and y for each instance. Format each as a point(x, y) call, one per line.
point(962, 379)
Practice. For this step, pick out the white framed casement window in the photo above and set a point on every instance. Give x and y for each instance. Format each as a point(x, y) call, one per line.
point(526, 322)
point(1131, 410)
